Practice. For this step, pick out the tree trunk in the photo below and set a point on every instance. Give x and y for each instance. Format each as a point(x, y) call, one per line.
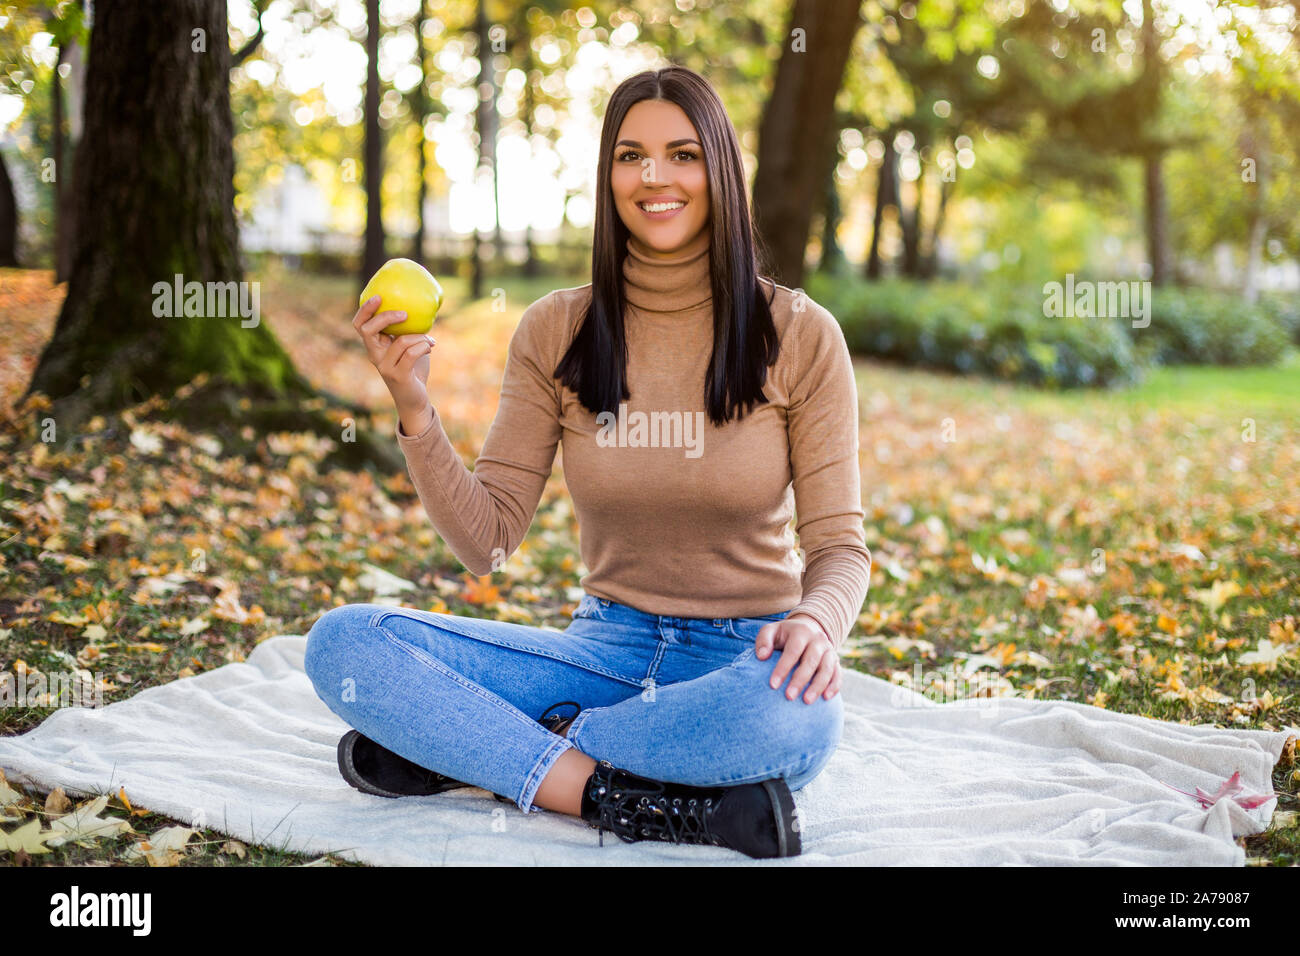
point(799, 111)
point(151, 91)
point(911, 221)
point(66, 211)
point(8, 219)
point(1148, 101)
point(832, 257)
point(373, 257)
point(485, 118)
point(481, 125)
point(930, 263)
point(1254, 146)
point(531, 264)
point(419, 108)
point(886, 195)
point(56, 148)
point(1157, 220)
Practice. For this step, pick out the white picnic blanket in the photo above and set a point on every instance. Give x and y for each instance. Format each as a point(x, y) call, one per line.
point(249, 749)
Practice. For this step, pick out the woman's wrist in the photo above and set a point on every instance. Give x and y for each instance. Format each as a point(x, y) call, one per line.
point(413, 422)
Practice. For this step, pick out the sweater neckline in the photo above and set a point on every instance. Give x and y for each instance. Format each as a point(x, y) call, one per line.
point(675, 284)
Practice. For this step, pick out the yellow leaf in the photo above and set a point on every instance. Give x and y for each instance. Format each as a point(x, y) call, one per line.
point(8, 794)
point(29, 837)
point(1217, 594)
point(162, 848)
point(85, 824)
point(194, 626)
point(1266, 655)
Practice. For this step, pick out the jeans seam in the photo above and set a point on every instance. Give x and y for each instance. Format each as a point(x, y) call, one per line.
point(543, 766)
point(458, 678)
point(382, 615)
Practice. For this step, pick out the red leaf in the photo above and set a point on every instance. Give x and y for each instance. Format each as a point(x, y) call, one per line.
point(1229, 788)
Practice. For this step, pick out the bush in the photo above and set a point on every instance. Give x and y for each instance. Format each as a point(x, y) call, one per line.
point(991, 331)
point(1194, 327)
point(1285, 311)
point(1001, 331)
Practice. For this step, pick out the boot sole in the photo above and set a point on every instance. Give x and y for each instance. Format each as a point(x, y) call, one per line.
point(783, 812)
point(350, 773)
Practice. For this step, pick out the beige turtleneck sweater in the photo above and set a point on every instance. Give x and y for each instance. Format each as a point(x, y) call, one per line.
point(676, 517)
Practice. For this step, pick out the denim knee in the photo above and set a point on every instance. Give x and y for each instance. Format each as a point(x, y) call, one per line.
point(804, 736)
point(332, 631)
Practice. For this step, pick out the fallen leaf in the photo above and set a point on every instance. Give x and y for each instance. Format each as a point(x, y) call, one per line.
point(380, 582)
point(1266, 655)
point(28, 838)
point(57, 803)
point(84, 824)
point(1217, 594)
point(8, 794)
point(1229, 788)
point(162, 848)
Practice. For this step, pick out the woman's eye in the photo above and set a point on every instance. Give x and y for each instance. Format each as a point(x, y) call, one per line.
point(681, 152)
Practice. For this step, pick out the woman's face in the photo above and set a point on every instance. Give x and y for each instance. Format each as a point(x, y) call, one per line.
point(658, 159)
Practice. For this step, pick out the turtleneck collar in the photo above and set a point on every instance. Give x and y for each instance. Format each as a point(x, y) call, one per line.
point(675, 284)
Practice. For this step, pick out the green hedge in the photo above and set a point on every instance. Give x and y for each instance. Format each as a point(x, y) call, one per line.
point(1193, 327)
point(1001, 331)
point(969, 329)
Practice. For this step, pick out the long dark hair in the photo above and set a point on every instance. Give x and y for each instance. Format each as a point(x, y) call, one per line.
point(744, 336)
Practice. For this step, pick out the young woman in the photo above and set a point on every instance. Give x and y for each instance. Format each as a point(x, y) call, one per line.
point(697, 405)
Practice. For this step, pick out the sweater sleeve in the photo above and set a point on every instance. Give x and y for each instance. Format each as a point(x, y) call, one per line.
point(483, 515)
point(822, 425)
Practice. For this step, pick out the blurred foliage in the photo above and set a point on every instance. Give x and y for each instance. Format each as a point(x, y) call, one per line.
point(999, 329)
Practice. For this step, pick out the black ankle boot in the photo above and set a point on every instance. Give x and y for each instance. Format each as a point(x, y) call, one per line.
point(758, 819)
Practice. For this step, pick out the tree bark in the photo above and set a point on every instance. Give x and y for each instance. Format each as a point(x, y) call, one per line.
point(1253, 145)
point(832, 256)
point(930, 263)
point(56, 147)
point(419, 108)
point(373, 256)
point(8, 219)
point(151, 93)
point(886, 195)
point(911, 221)
point(531, 264)
point(485, 124)
point(1157, 215)
point(798, 113)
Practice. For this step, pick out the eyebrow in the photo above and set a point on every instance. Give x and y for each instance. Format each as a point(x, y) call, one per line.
point(676, 142)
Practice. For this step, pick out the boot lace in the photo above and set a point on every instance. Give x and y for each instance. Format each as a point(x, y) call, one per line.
point(631, 811)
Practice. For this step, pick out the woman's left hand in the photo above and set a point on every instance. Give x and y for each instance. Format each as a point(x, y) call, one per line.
point(807, 651)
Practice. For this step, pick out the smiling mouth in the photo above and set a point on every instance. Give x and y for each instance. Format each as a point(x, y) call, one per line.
point(660, 206)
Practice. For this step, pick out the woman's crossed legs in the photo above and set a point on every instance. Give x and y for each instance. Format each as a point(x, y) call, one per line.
point(462, 696)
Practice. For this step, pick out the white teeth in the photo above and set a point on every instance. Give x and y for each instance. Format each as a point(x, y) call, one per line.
point(661, 206)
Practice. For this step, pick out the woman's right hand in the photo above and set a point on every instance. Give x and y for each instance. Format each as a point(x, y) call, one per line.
point(402, 361)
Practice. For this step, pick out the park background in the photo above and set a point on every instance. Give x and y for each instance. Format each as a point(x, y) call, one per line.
point(1082, 507)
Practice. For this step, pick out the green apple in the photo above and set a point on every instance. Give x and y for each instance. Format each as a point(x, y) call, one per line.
point(409, 287)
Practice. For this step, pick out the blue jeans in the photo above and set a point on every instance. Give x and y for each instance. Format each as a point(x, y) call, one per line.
point(683, 700)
